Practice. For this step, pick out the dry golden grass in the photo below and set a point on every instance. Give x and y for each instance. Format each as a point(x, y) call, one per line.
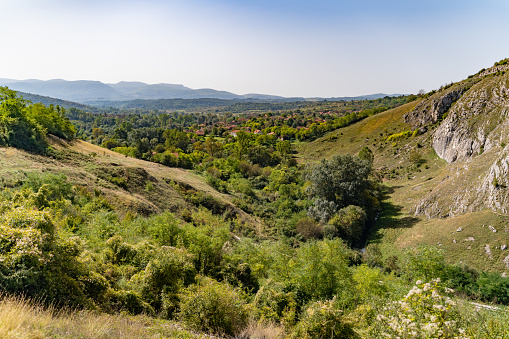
point(82, 163)
point(263, 330)
point(22, 319)
point(353, 138)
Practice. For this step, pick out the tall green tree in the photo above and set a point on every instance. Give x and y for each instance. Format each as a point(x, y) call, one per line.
point(17, 129)
point(337, 183)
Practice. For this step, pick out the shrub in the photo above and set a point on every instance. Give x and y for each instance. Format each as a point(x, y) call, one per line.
point(279, 302)
point(370, 282)
point(119, 252)
point(323, 319)
point(321, 269)
point(425, 312)
point(337, 183)
point(493, 287)
point(350, 223)
point(399, 136)
point(213, 307)
point(424, 262)
point(308, 228)
point(127, 301)
point(36, 261)
point(16, 128)
point(165, 275)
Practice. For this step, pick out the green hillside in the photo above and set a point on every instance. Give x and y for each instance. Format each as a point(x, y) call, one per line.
point(340, 220)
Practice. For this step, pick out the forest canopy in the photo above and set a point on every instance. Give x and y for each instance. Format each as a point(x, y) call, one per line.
point(25, 125)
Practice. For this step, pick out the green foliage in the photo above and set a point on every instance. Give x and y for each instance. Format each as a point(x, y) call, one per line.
point(119, 251)
point(366, 154)
point(17, 129)
point(127, 301)
point(25, 126)
point(336, 183)
point(425, 312)
point(492, 287)
point(164, 276)
point(278, 302)
point(320, 268)
point(37, 262)
point(416, 158)
point(502, 62)
point(213, 307)
point(350, 223)
point(371, 283)
point(323, 319)
point(309, 228)
point(425, 263)
point(53, 119)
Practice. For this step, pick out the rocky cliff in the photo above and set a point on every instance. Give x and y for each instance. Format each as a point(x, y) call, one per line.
point(466, 120)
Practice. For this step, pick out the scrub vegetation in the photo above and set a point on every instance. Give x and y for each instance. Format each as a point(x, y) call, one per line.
point(266, 230)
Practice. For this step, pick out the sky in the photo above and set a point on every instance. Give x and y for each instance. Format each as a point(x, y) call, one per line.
point(293, 48)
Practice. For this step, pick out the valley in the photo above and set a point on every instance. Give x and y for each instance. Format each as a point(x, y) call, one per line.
point(249, 223)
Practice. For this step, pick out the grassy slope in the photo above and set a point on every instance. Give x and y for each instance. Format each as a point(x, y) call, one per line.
point(20, 318)
point(398, 227)
point(92, 166)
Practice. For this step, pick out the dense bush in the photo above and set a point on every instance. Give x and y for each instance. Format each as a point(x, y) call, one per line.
point(350, 223)
point(323, 319)
point(36, 261)
point(338, 182)
point(16, 128)
point(161, 281)
point(213, 307)
point(425, 312)
point(25, 126)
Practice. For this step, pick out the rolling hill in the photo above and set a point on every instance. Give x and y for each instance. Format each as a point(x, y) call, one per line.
point(445, 160)
point(98, 93)
point(87, 227)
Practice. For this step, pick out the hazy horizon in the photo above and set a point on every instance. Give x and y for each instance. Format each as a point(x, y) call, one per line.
point(286, 48)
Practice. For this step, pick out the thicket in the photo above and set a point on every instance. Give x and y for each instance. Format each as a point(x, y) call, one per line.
point(25, 126)
point(65, 244)
point(179, 138)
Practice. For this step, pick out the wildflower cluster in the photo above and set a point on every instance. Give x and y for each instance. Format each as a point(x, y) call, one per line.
point(425, 312)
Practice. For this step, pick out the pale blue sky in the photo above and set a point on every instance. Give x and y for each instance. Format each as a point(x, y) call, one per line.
point(281, 47)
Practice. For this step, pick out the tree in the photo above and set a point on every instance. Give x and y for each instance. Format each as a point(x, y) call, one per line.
point(16, 128)
point(176, 139)
point(367, 154)
point(350, 223)
point(337, 183)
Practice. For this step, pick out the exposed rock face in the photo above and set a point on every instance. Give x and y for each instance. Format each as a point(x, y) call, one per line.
point(474, 138)
point(493, 189)
point(476, 123)
point(430, 111)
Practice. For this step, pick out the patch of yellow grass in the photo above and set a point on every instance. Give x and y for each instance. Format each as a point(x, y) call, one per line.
point(263, 330)
point(20, 318)
point(382, 120)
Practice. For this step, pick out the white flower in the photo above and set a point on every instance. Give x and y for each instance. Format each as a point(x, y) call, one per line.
point(439, 307)
point(449, 301)
point(450, 323)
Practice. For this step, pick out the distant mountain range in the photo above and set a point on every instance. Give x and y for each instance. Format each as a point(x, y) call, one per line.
point(97, 93)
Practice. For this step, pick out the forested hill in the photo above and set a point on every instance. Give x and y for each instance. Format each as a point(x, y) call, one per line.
point(48, 101)
point(24, 125)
